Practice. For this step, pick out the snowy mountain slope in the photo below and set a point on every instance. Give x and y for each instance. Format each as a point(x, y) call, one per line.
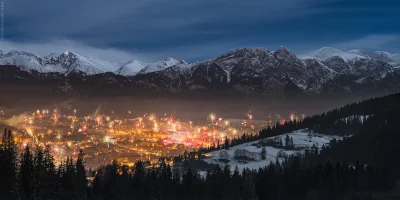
point(64, 63)
point(71, 62)
point(328, 52)
point(131, 68)
point(393, 59)
point(301, 138)
point(26, 61)
point(161, 65)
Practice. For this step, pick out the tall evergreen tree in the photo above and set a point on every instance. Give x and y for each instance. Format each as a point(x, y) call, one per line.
point(226, 144)
point(38, 163)
point(26, 172)
point(263, 153)
point(81, 181)
point(49, 175)
point(287, 141)
point(8, 166)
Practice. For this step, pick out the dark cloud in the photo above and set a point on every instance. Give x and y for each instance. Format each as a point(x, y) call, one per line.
point(195, 29)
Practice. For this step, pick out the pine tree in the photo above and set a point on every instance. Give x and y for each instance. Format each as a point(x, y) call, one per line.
point(98, 183)
point(81, 181)
point(8, 167)
point(287, 141)
point(69, 179)
point(38, 163)
point(291, 143)
point(277, 163)
point(49, 180)
point(187, 183)
point(263, 153)
point(26, 172)
point(249, 187)
point(226, 145)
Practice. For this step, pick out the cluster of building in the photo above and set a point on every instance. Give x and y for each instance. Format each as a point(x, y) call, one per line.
point(106, 137)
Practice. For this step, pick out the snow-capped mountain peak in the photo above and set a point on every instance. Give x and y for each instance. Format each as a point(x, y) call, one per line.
point(66, 63)
point(74, 62)
point(393, 59)
point(26, 61)
point(329, 52)
point(284, 53)
point(242, 52)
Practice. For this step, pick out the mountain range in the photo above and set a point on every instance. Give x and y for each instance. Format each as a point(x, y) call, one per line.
point(250, 71)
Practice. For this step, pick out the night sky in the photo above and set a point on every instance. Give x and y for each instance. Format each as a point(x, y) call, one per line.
point(197, 29)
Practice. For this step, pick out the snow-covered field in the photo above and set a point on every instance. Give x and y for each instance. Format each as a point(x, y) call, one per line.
point(300, 138)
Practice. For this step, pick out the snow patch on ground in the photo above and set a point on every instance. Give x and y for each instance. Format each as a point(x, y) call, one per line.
point(301, 138)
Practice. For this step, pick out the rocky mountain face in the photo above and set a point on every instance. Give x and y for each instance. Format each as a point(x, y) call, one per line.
point(261, 72)
point(249, 71)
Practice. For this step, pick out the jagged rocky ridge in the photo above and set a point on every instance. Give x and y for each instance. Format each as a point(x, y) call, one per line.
point(251, 71)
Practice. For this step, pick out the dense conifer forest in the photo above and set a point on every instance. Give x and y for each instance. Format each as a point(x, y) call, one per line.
point(363, 166)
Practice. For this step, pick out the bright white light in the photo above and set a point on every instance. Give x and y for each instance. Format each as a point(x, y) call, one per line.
point(107, 139)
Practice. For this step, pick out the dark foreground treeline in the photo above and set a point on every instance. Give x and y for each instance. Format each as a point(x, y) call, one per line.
point(35, 176)
point(296, 181)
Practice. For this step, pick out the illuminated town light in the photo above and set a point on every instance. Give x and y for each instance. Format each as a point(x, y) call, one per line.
point(142, 135)
point(107, 138)
point(292, 117)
